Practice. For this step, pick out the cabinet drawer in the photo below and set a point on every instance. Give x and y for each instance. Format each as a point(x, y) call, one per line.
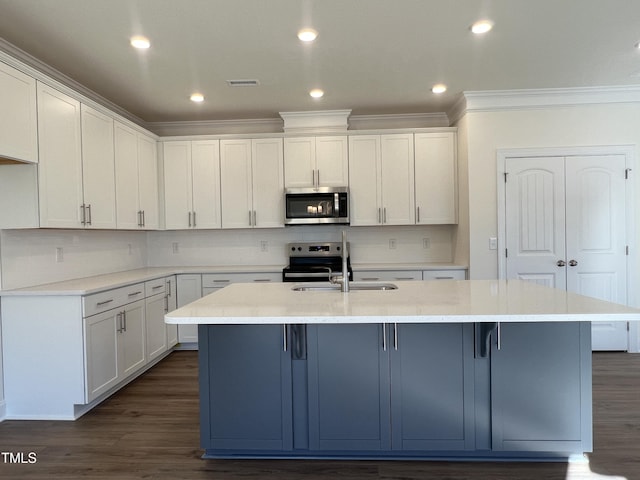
point(103, 301)
point(387, 275)
point(444, 275)
point(219, 280)
point(154, 287)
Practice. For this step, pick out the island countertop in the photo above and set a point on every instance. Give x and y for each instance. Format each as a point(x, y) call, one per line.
point(450, 301)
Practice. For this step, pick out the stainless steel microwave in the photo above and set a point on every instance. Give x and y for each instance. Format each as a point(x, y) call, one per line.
point(305, 206)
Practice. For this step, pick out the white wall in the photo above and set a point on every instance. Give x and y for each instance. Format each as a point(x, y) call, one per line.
point(28, 257)
point(236, 247)
point(486, 132)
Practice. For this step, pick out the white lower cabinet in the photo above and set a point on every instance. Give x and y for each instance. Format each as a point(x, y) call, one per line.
point(453, 274)
point(156, 332)
point(194, 286)
point(114, 347)
point(387, 275)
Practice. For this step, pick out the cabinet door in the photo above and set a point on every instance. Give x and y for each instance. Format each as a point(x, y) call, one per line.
point(387, 275)
point(60, 169)
point(98, 169)
point(101, 353)
point(189, 289)
point(541, 388)
point(205, 176)
point(148, 182)
point(156, 333)
point(177, 185)
point(235, 179)
point(397, 179)
point(332, 166)
point(268, 182)
point(18, 122)
point(299, 162)
point(436, 174)
point(126, 165)
point(348, 387)
point(171, 305)
point(365, 182)
point(432, 400)
point(249, 404)
point(131, 342)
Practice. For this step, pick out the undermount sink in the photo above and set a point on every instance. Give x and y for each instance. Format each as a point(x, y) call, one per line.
point(352, 286)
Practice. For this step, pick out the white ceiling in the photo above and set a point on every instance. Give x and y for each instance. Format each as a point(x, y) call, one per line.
point(371, 56)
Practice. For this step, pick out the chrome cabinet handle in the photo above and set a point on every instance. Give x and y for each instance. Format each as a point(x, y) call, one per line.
point(379, 215)
point(384, 337)
point(139, 218)
point(499, 335)
point(384, 215)
point(255, 221)
point(561, 263)
point(318, 178)
point(194, 220)
point(83, 219)
point(89, 216)
point(285, 345)
point(189, 219)
point(119, 321)
point(144, 218)
point(573, 263)
point(395, 336)
point(417, 214)
point(124, 320)
point(100, 304)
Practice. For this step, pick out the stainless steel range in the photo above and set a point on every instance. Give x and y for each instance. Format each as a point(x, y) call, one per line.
point(315, 262)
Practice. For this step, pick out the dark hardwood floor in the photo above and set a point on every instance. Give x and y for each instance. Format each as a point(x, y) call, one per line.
point(149, 430)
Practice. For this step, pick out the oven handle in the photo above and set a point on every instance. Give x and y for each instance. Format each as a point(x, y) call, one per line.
point(306, 274)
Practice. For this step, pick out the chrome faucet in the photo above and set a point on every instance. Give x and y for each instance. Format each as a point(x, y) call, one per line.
point(343, 279)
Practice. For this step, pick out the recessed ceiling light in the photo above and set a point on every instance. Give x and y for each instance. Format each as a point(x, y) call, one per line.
point(316, 93)
point(481, 26)
point(439, 88)
point(140, 42)
point(307, 34)
point(197, 97)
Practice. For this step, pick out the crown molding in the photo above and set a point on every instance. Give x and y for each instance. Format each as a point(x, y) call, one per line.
point(458, 110)
point(495, 100)
point(26, 63)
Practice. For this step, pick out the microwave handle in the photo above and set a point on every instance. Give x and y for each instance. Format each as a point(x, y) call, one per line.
point(336, 204)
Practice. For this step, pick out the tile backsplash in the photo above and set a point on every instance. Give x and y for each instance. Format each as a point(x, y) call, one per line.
point(38, 256)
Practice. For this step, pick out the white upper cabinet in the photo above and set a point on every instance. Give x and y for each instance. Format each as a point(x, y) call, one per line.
point(136, 179)
point(251, 174)
point(316, 162)
point(98, 170)
point(60, 169)
point(18, 115)
point(381, 179)
point(192, 184)
point(436, 175)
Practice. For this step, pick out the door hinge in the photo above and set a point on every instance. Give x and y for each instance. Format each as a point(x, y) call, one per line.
point(505, 176)
point(626, 173)
point(626, 250)
point(506, 252)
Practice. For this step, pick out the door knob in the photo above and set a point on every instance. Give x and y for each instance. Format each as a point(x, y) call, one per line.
point(573, 263)
point(561, 263)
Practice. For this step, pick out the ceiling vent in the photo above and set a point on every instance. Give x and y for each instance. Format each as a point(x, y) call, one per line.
point(243, 83)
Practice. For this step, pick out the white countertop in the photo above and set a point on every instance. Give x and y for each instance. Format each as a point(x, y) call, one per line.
point(99, 283)
point(433, 301)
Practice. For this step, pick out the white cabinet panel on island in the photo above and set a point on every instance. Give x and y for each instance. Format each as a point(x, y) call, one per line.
point(18, 115)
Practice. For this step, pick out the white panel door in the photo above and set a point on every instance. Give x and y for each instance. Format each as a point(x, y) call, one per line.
point(566, 228)
point(332, 167)
point(535, 220)
point(235, 179)
point(596, 238)
point(398, 200)
point(60, 169)
point(268, 182)
point(205, 178)
point(299, 162)
point(98, 169)
point(178, 209)
point(126, 163)
point(365, 184)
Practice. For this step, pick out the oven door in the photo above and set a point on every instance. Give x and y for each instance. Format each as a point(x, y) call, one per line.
point(308, 274)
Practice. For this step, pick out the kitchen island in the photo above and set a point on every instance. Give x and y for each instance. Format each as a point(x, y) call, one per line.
point(430, 370)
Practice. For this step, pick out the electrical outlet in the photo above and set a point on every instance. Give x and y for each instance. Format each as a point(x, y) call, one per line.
point(392, 243)
point(264, 246)
point(174, 247)
point(426, 243)
point(59, 254)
